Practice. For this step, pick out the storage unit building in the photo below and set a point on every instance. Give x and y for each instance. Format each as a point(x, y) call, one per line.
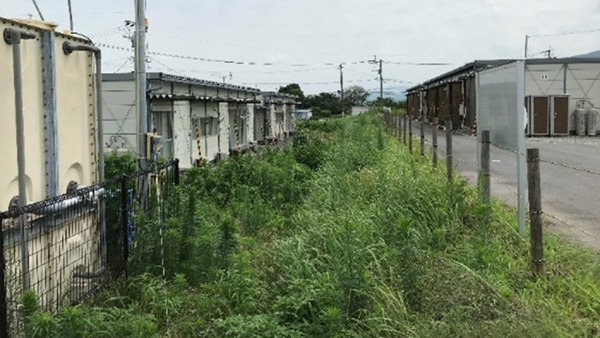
point(554, 90)
point(280, 115)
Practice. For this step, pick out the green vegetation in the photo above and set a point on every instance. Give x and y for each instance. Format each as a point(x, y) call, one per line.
point(342, 234)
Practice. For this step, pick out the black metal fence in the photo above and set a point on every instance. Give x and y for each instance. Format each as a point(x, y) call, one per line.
point(66, 248)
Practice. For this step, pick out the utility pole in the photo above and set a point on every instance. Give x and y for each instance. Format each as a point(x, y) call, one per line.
point(381, 81)
point(380, 72)
point(341, 68)
point(526, 45)
point(141, 103)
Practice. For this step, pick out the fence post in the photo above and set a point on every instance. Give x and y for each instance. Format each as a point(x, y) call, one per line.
point(3, 304)
point(485, 166)
point(535, 210)
point(410, 134)
point(404, 122)
point(124, 222)
point(176, 169)
point(449, 156)
point(435, 141)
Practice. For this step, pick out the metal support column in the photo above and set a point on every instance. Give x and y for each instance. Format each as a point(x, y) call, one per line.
point(50, 113)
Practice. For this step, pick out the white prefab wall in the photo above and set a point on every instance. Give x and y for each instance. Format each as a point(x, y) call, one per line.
point(223, 129)
point(579, 81)
point(211, 142)
point(182, 137)
point(250, 123)
point(120, 117)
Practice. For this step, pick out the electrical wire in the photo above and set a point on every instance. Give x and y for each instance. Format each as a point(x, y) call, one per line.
point(566, 33)
point(307, 83)
point(256, 63)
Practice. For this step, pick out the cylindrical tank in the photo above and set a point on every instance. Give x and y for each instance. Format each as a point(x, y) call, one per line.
point(580, 122)
point(591, 118)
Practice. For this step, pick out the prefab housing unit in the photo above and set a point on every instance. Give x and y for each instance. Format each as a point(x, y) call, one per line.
point(60, 128)
point(554, 89)
point(280, 115)
point(194, 119)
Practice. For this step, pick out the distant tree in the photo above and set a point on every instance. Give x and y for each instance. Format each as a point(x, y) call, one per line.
point(324, 102)
point(293, 89)
point(388, 102)
point(355, 95)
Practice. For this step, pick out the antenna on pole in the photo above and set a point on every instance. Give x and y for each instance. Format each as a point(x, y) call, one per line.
point(70, 15)
point(38, 10)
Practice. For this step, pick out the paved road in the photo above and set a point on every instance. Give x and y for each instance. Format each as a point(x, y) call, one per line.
point(570, 196)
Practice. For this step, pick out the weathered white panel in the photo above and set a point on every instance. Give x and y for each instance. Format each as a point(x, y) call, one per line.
point(544, 80)
point(33, 121)
point(181, 89)
point(223, 128)
point(76, 117)
point(250, 123)
point(182, 133)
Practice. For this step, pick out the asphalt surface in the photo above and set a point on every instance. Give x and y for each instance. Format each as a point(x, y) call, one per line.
point(570, 178)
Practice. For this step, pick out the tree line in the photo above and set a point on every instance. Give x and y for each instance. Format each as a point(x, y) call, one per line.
point(330, 104)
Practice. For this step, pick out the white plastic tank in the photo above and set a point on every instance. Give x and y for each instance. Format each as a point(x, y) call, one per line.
point(591, 119)
point(579, 122)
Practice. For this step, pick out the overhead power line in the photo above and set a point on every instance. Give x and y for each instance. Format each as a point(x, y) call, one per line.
point(196, 58)
point(256, 63)
point(565, 33)
point(417, 63)
point(307, 83)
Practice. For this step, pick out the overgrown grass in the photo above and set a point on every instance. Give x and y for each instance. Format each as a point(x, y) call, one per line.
point(344, 234)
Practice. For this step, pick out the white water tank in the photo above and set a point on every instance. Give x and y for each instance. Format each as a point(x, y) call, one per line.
point(591, 118)
point(579, 122)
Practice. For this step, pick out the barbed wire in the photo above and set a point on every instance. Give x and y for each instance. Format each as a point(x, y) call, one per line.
point(511, 188)
point(559, 164)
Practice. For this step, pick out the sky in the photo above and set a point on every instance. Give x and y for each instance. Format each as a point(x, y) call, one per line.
point(305, 41)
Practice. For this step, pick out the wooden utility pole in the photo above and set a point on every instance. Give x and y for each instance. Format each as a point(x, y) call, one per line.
point(535, 210)
point(381, 81)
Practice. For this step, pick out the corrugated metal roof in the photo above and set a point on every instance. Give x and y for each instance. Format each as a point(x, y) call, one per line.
point(199, 98)
point(159, 76)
